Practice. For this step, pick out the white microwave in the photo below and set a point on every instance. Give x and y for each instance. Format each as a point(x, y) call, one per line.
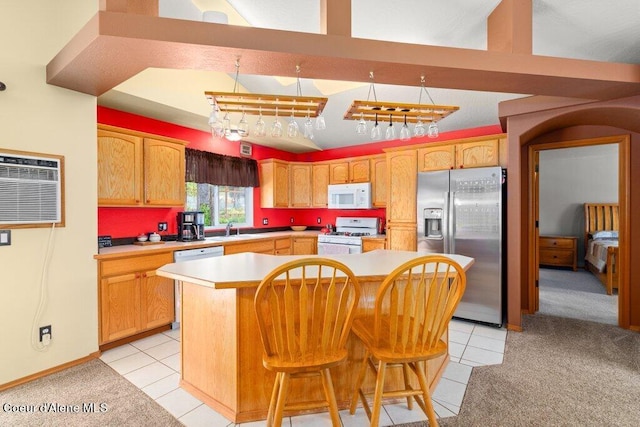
point(350, 196)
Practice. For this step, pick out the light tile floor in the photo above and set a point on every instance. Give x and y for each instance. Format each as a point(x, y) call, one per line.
point(153, 365)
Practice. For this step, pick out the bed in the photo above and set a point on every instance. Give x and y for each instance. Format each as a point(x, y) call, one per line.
point(601, 222)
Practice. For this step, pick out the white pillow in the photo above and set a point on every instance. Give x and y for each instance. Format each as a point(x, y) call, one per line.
point(605, 234)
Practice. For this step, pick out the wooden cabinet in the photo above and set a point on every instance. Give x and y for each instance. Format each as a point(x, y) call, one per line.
point(435, 158)
point(304, 245)
point(401, 201)
point(346, 171)
point(378, 166)
point(300, 185)
point(164, 165)
point(319, 185)
point(138, 169)
point(372, 243)
point(478, 154)
point(558, 251)
point(402, 181)
point(119, 169)
point(132, 298)
point(274, 184)
point(259, 246)
point(282, 246)
point(464, 153)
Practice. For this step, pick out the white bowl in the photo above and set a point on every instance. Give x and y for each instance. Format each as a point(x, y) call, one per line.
point(142, 238)
point(154, 238)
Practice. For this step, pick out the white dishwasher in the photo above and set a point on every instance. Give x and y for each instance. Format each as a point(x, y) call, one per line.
point(190, 255)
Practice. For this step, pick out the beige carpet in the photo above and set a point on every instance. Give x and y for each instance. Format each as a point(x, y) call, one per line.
point(558, 372)
point(116, 402)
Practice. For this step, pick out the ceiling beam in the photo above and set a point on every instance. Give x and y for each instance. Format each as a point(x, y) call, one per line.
point(510, 27)
point(335, 17)
point(112, 47)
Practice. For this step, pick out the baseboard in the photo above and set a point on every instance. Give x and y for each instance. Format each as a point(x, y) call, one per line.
point(515, 328)
point(49, 371)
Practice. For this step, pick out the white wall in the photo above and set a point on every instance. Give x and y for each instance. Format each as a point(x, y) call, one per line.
point(570, 177)
point(38, 117)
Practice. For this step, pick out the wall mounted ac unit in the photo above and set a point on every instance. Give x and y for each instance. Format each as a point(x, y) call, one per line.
point(30, 188)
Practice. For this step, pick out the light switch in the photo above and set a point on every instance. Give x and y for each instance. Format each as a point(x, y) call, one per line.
point(5, 237)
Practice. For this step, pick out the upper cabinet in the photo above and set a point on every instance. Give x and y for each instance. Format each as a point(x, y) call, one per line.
point(319, 185)
point(343, 172)
point(274, 184)
point(137, 169)
point(379, 181)
point(471, 153)
point(300, 182)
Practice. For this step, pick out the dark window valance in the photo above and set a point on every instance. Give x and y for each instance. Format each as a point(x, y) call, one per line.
point(204, 167)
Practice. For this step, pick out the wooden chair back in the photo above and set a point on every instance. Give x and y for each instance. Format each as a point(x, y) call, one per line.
point(305, 310)
point(415, 304)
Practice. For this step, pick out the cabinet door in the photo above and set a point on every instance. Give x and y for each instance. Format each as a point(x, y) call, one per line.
point(379, 181)
point(338, 172)
point(156, 300)
point(119, 169)
point(478, 154)
point(274, 184)
point(283, 246)
point(402, 181)
point(119, 306)
point(372, 244)
point(304, 245)
point(300, 179)
point(359, 170)
point(436, 158)
point(320, 183)
point(164, 173)
point(402, 237)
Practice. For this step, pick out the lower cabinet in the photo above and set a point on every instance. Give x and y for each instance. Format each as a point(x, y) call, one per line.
point(260, 247)
point(132, 298)
point(304, 245)
point(372, 243)
point(283, 246)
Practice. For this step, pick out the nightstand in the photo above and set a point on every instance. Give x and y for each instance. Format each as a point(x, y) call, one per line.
point(558, 251)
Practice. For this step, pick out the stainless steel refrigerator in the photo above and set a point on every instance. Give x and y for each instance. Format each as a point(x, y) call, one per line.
point(461, 212)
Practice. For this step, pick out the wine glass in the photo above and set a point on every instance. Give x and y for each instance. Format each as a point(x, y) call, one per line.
point(433, 131)
point(243, 126)
point(261, 127)
point(213, 115)
point(375, 130)
point(217, 129)
point(390, 133)
point(405, 134)
point(226, 124)
point(276, 127)
point(308, 127)
point(419, 129)
point(361, 127)
point(292, 128)
point(320, 123)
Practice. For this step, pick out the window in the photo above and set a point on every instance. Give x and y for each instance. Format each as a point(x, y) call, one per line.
point(221, 204)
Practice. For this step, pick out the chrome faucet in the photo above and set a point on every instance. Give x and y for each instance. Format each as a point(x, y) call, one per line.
point(228, 228)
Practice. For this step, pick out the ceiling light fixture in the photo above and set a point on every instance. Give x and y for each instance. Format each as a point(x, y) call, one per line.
point(408, 113)
point(261, 105)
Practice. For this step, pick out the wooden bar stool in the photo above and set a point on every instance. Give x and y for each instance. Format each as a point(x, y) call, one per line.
point(305, 310)
point(412, 310)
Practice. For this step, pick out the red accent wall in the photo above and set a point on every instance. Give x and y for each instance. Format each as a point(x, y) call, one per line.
point(129, 222)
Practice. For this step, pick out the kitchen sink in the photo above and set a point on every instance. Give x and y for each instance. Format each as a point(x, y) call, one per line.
point(230, 237)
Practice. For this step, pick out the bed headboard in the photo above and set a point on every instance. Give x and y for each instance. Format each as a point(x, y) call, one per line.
point(600, 216)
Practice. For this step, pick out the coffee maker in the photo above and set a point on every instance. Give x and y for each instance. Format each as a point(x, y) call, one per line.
point(190, 226)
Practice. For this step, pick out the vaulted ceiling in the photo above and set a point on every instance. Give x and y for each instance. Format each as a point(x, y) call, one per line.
point(473, 54)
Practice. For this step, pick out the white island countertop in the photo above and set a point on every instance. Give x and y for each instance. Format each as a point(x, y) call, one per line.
point(247, 269)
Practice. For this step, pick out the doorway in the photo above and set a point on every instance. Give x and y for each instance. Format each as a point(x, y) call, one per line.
point(572, 224)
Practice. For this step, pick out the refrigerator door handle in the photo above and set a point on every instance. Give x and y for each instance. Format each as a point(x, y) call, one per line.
point(451, 201)
point(446, 223)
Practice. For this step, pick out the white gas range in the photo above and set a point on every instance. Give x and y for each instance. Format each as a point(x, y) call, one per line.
point(347, 237)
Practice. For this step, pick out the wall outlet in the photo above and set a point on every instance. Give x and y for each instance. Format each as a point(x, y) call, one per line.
point(45, 334)
point(291, 220)
point(162, 226)
point(265, 221)
point(5, 237)
point(319, 220)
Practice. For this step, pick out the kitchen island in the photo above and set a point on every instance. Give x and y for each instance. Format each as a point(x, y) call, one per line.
point(221, 351)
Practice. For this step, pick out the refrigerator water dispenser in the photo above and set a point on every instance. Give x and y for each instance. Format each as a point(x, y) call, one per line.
point(433, 223)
